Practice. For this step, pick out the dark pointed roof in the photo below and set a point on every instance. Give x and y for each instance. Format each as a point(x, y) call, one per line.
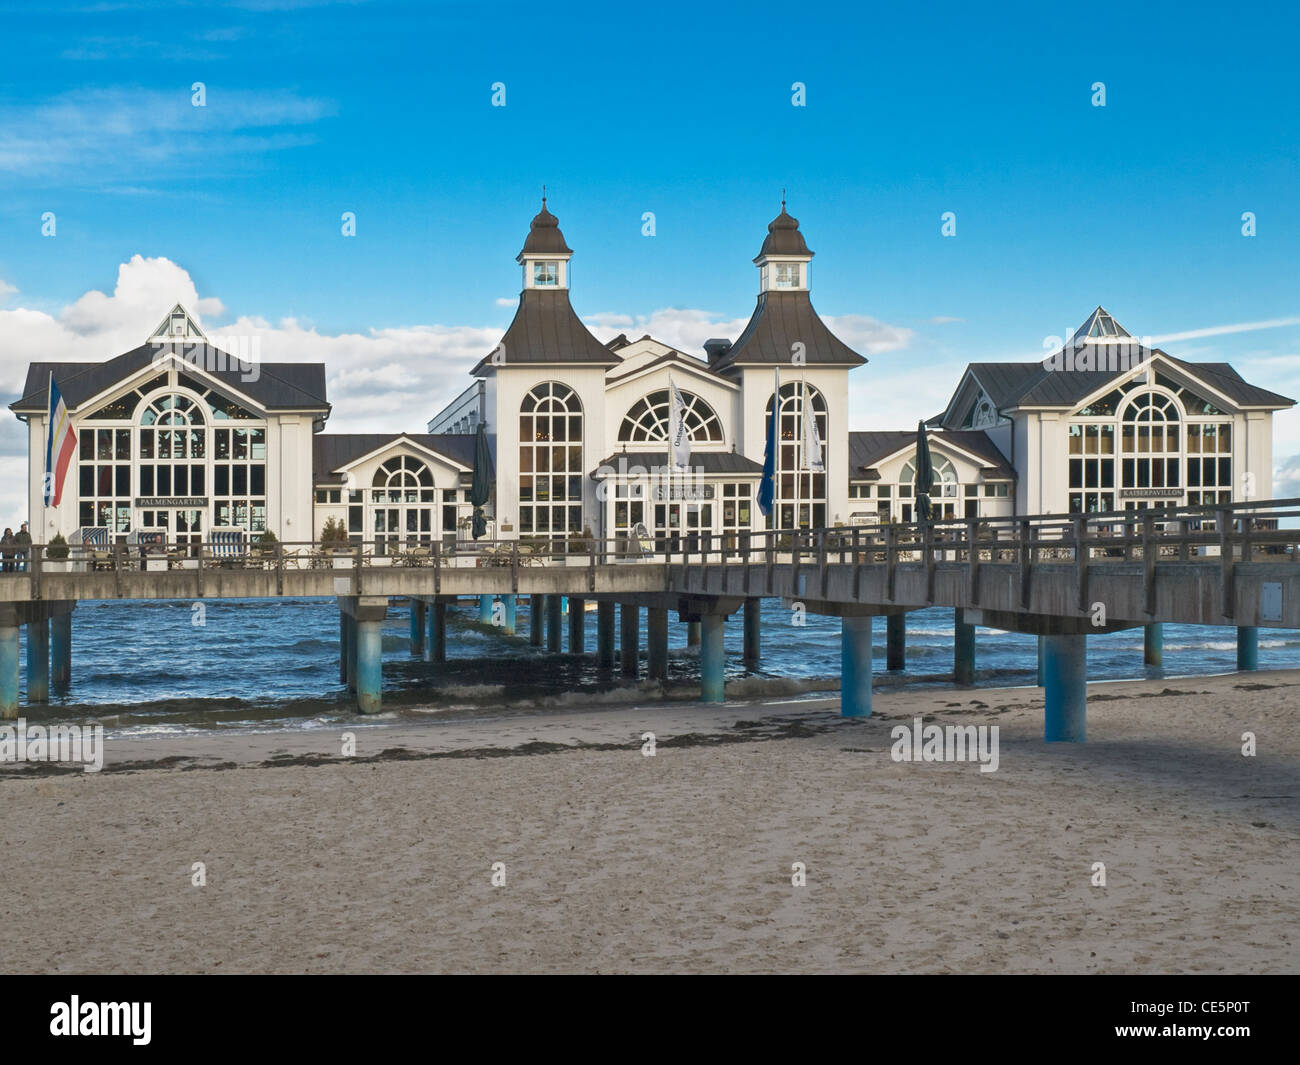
point(783, 237)
point(1100, 323)
point(866, 449)
point(781, 319)
point(544, 236)
point(546, 329)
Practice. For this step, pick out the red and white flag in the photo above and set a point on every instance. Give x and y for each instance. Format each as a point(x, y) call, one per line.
point(60, 444)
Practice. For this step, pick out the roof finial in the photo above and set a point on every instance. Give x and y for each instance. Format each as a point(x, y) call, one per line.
point(783, 199)
point(543, 197)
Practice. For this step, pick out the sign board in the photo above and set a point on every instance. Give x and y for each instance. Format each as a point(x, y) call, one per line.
point(1150, 493)
point(172, 501)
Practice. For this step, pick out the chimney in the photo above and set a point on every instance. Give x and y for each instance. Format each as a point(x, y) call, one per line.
point(716, 348)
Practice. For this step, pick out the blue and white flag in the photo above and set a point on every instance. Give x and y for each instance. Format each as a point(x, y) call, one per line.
point(679, 440)
point(767, 486)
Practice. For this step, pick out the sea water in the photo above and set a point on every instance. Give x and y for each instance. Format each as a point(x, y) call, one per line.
point(158, 666)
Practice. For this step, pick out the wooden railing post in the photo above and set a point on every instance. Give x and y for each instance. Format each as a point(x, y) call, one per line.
point(1227, 591)
point(1149, 552)
point(973, 561)
point(1082, 559)
point(1026, 548)
point(891, 562)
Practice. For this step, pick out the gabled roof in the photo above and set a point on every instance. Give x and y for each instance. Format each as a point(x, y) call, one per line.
point(546, 329)
point(781, 319)
point(278, 385)
point(672, 357)
point(333, 451)
point(708, 462)
point(867, 449)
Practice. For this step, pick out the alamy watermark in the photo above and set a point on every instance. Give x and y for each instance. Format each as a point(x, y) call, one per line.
point(946, 743)
point(20, 742)
point(240, 355)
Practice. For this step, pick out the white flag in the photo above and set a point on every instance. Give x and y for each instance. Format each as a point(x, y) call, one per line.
point(812, 437)
point(679, 440)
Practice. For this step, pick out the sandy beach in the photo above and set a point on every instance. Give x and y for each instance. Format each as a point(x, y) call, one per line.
point(680, 862)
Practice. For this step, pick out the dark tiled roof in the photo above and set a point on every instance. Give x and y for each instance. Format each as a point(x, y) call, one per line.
point(332, 450)
point(544, 236)
point(867, 449)
point(779, 321)
point(783, 237)
point(711, 462)
point(1031, 384)
point(546, 329)
point(279, 385)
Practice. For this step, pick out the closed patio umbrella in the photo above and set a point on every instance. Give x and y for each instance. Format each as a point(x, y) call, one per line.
point(924, 475)
point(480, 489)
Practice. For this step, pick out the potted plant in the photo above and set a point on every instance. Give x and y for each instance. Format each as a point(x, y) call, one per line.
point(56, 558)
point(334, 541)
point(581, 547)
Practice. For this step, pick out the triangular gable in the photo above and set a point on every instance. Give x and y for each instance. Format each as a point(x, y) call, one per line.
point(938, 442)
point(178, 325)
point(395, 444)
point(1162, 363)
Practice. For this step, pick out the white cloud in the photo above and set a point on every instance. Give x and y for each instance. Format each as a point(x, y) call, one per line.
point(6, 289)
point(506, 301)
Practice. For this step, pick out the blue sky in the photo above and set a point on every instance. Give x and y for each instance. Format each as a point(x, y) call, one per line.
point(684, 110)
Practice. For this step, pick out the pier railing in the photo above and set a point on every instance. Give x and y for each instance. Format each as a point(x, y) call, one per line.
point(1223, 535)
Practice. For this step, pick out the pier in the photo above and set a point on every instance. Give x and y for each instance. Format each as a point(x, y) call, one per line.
point(1060, 577)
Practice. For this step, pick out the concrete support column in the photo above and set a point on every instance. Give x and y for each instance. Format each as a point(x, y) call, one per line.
point(855, 666)
point(963, 649)
point(485, 610)
point(438, 632)
point(38, 661)
point(712, 659)
point(692, 634)
point(1065, 676)
point(536, 611)
point(417, 626)
point(61, 652)
point(1153, 644)
point(9, 666)
point(753, 631)
point(1247, 647)
point(656, 643)
point(509, 601)
point(352, 654)
point(577, 625)
point(553, 622)
point(895, 642)
point(605, 634)
point(629, 638)
point(370, 671)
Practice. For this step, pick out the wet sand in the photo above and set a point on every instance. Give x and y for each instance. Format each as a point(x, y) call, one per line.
point(681, 862)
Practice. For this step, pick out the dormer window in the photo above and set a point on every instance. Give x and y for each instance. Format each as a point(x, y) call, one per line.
point(787, 275)
point(546, 274)
point(178, 323)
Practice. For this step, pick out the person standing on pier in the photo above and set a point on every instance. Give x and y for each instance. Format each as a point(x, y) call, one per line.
point(6, 550)
point(23, 540)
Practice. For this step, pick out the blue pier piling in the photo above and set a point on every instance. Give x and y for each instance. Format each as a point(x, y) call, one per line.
point(485, 609)
point(437, 650)
point(657, 643)
point(1247, 647)
point(692, 634)
point(1041, 658)
point(511, 607)
point(855, 667)
point(629, 638)
point(1153, 644)
point(896, 642)
point(753, 631)
point(605, 634)
point(343, 647)
point(536, 617)
point(417, 627)
point(38, 661)
point(352, 654)
point(9, 667)
point(963, 649)
point(554, 623)
point(577, 626)
point(370, 671)
point(1065, 667)
point(61, 652)
point(712, 659)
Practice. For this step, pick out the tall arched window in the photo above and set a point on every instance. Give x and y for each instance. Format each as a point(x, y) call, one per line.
point(403, 499)
point(173, 450)
point(550, 461)
point(1150, 443)
point(797, 487)
point(943, 495)
point(647, 419)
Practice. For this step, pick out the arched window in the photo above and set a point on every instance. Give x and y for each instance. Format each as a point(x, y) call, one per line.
point(797, 488)
point(550, 461)
point(173, 448)
point(945, 477)
point(1150, 441)
point(402, 498)
point(647, 420)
